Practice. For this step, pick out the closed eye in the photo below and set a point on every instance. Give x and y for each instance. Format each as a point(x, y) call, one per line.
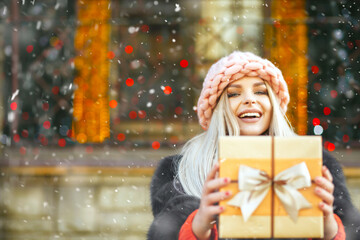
point(262, 92)
point(232, 95)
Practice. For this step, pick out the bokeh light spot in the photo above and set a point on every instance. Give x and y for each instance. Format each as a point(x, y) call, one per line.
point(155, 145)
point(144, 28)
point(160, 107)
point(184, 63)
point(113, 103)
point(318, 130)
point(167, 90)
point(178, 110)
point(317, 86)
point(22, 150)
point(142, 114)
point(331, 147)
point(333, 93)
point(24, 133)
point(45, 106)
point(327, 110)
point(62, 142)
point(129, 49)
point(81, 138)
point(346, 138)
point(315, 69)
point(110, 54)
point(132, 114)
point(46, 124)
point(129, 82)
point(316, 121)
point(13, 106)
point(16, 138)
point(277, 24)
point(55, 90)
point(29, 48)
point(121, 137)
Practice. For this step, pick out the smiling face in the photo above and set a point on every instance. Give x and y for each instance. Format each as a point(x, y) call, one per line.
point(250, 102)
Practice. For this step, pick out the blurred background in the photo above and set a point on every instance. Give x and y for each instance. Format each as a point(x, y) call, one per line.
point(95, 92)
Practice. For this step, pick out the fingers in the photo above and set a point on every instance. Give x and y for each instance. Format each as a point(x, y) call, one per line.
point(212, 173)
point(212, 185)
point(215, 197)
point(326, 173)
point(326, 208)
point(327, 197)
point(325, 184)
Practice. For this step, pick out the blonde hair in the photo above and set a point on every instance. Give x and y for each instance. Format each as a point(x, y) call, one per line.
point(199, 154)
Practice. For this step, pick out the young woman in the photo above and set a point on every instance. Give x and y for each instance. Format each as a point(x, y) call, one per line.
point(242, 94)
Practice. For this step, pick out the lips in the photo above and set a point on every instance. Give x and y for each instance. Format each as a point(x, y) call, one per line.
point(250, 112)
point(254, 116)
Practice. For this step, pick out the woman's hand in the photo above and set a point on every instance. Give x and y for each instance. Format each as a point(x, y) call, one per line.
point(204, 219)
point(325, 190)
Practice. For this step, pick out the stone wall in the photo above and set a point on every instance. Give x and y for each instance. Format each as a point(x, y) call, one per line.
point(82, 203)
point(75, 206)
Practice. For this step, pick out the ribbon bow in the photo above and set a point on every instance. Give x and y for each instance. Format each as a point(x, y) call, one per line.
point(254, 184)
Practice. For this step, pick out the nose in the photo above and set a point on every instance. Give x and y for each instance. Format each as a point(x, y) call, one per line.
point(249, 99)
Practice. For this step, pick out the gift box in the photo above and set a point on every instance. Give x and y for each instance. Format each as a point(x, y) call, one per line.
point(272, 187)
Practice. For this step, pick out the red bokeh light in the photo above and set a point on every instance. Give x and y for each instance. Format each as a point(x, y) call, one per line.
point(178, 110)
point(142, 114)
point(167, 90)
point(45, 106)
point(62, 142)
point(22, 150)
point(327, 110)
point(13, 106)
point(317, 86)
point(316, 121)
point(129, 49)
point(121, 137)
point(110, 55)
point(46, 124)
point(156, 145)
point(346, 138)
point(29, 48)
point(315, 69)
point(55, 90)
point(24, 133)
point(333, 93)
point(113, 103)
point(184, 63)
point(132, 114)
point(129, 82)
point(16, 138)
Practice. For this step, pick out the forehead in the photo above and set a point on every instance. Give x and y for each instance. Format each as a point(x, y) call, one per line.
point(247, 82)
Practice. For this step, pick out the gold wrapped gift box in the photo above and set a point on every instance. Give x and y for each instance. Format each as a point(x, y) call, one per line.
point(270, 155)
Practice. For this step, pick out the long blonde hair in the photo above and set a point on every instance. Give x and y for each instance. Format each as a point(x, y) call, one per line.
point(199, 154)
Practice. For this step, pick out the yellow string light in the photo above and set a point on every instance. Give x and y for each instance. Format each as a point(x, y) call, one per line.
point(91, 105)
point(286, 39)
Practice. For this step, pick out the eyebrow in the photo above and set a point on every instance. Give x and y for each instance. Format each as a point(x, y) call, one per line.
point(239, 86)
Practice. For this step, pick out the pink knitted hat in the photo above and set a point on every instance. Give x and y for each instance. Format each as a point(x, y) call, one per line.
point(231, 68)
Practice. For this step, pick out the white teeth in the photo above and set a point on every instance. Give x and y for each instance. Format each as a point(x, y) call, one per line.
point(250, 115)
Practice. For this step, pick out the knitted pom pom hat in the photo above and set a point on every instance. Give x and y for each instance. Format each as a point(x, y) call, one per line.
point(231, 68)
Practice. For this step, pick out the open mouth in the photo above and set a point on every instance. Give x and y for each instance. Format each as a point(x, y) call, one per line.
point(250, 115)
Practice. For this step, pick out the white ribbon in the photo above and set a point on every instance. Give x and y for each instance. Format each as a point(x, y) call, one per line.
point(254, 184)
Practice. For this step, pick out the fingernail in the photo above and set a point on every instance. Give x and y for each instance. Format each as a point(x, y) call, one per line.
point(221, 208)
point(321, 204)
point(226, 180)
point(317, 189)
point(318, 179)
point(227, 193)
